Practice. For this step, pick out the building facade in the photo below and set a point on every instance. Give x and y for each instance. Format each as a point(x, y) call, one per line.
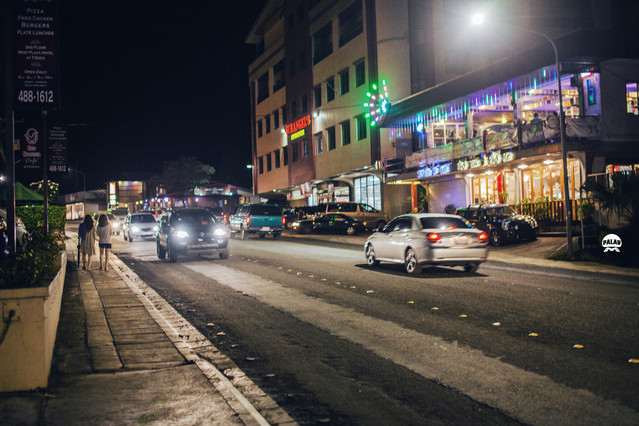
point(366, 100)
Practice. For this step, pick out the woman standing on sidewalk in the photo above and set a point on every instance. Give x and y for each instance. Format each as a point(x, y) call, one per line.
point(104, 234)
point(86, 234)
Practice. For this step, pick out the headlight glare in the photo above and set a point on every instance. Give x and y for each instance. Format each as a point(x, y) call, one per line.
point(181, 234)
point(219, 232)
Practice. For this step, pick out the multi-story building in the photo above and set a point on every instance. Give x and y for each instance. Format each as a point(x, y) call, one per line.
point(469, 113)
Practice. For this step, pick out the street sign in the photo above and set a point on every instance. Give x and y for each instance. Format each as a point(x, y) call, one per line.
point(36, 81)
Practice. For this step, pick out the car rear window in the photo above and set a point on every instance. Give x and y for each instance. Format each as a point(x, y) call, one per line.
point(264, 210)
point(143, 219)
point(444, 223)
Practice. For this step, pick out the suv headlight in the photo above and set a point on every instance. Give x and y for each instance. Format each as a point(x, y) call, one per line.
point(219, 232)
point(181, 234)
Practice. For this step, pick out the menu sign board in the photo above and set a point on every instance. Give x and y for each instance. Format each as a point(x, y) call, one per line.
point(36, 71)
point(57, 150)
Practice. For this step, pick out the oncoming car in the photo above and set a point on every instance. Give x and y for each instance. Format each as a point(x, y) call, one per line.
point(415, 240)
point(190, 230)
point(139, 225)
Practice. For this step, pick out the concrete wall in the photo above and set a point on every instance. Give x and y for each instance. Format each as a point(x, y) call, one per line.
point(27, 349)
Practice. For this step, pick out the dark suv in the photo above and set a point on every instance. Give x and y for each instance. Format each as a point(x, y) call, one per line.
point(190, 230)
point(501, 222)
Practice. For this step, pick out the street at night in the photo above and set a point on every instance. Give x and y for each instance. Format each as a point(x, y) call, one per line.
point(329, 338)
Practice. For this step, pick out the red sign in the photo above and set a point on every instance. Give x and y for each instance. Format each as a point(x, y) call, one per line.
point(298, 124)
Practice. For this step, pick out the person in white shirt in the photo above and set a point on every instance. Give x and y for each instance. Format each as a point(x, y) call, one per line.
point(104, 232)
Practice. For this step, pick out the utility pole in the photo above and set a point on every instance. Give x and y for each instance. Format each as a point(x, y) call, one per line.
point(9, 154)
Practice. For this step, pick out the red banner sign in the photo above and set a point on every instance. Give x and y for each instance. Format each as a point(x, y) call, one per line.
point(298, 124)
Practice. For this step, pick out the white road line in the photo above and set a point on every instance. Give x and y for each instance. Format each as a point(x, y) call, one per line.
point(529, 397)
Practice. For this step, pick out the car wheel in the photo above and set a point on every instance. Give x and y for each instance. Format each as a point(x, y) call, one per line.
point(350, 230)
point(244, 234)
point(471, 268)
point(173, 256)
point(495, 238)
point(533, 235)
point(160, 250)
point(410, 262)
point(277, 235)
point(371, 260)
point(224, 254)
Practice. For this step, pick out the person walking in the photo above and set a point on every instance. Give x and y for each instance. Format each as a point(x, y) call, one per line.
point(86, 235)
point(104, 232)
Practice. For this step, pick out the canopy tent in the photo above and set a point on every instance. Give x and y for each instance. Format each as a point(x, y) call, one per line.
point(23, 195)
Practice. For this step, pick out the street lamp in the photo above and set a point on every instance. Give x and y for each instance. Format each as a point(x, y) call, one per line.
point(478, 19)
point(84, 181)
point(251, 167)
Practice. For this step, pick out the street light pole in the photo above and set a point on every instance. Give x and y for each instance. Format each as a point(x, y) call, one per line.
point(478, 19)
point(250, 166)
point(562, 138)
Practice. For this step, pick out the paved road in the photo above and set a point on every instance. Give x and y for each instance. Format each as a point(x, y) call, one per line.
point(332, 340)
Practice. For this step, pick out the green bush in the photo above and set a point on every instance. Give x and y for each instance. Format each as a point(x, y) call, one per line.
point(34, 264)
point(33, 216)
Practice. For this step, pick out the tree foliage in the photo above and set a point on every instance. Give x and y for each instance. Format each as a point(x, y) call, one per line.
point(54, 188)
point(183, 174)
point(621, 197)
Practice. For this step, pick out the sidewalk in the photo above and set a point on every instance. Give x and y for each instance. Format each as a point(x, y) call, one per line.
point(122, 357)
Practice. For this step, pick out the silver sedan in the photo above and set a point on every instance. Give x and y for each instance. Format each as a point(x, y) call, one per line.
point(415, 240)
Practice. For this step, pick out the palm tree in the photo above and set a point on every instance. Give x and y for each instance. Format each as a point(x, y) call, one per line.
point(620, 197)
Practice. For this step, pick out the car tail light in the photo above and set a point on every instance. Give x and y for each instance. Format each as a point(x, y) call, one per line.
point(283, 220)
point(483, 237)
point(433, 237)
point(248, 218)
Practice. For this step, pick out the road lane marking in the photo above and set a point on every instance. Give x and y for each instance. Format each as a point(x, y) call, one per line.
point(538, 400)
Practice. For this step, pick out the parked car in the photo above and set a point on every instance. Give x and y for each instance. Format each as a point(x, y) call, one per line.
point(331, 223)
point(22, 235)
point(190, 230)
point(364, 212)
point(501, 222)
point(415, 240)
point(258, 219)
point(139, 225)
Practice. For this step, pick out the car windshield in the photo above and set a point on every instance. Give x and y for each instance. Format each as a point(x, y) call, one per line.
point(444, 223)
point(192, 218)
point(146, 218)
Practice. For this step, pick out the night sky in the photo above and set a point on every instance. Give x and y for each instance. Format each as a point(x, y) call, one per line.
point(144, 82)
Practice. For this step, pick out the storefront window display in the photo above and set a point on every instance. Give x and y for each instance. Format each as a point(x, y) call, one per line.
point(544, 181)
point(493, 187)
point(367, 189)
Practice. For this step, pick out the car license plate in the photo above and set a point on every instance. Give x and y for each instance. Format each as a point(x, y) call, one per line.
point(461, 241)
point(266, 228)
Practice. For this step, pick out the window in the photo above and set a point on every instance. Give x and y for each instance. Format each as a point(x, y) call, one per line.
point(262, 87)
point(305, 150)
point(276, 119)
point(304, 104)
point(260, 164)
point(331, 138)
point(293, 109)
point(343, 82)
point(267, 122)
point(285, 154)
point(276, 156)
point(319, 148)
point(284, 119)
point(360, 73)
point(259, 129)
point(302, 60)
point(323, 43)
point(300, 13)
point(367, 190)
point(351, 23)
point(291, 22)
point(346, 133)
point(631, 99)
point(330, 89)
point(278, 76)
point(361, 127)
point(268, 162)
point(292, 67)
point(294, 152)
point(317, 96)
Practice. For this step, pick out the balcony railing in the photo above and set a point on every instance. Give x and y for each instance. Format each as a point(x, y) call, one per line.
point(553, 211)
